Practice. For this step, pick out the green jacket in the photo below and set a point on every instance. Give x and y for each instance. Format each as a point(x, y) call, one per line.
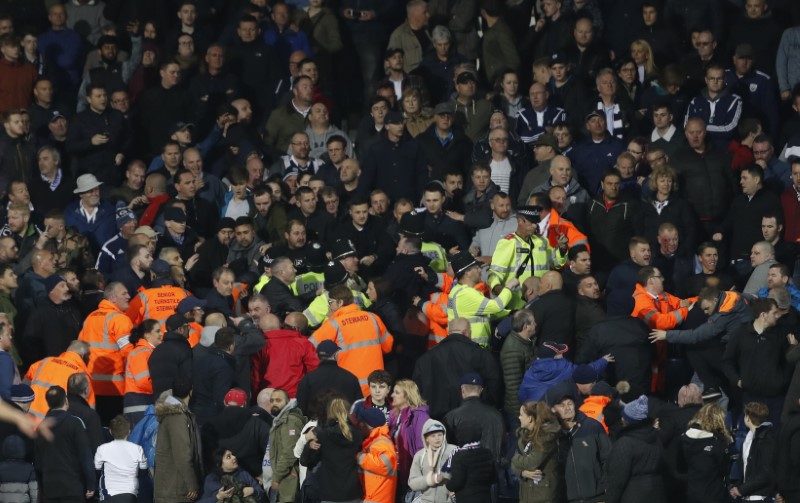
point(499, 50)
point(515, 358)
point(529, 458)
point(178, 465)
point(282, 439)
point(283, 122)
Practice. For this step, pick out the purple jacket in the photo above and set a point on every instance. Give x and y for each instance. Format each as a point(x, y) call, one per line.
point(407, 435)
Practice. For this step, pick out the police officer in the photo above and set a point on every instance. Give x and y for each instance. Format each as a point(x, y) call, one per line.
point(412, 224)
point(335, 274)
point(465, 301)
point(524, 253)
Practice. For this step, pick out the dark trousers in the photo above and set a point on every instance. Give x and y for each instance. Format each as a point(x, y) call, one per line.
point(121, 498)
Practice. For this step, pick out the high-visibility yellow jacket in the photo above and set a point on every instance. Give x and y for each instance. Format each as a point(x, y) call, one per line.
point(317, 311)
point(510, 254)
point(363, 340)
point(307, 283)
point(436, 254)
point(107, 331)
point(262, 282)
point(377, 467)
point(54, 371)
point(467, 302)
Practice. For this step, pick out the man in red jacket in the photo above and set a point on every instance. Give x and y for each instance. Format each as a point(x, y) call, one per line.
point(284, 360)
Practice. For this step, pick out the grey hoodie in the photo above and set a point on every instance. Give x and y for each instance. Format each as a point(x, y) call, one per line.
point(422, 470)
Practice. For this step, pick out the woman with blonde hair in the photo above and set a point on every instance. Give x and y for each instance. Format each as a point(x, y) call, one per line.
point(663, 205)
point(406, 422)
point(417, 117)
point(335, 447)
point(642, 55)
point(536, 460)
point(707, 448)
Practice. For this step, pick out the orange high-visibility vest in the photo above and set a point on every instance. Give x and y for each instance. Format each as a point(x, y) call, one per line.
point(195, 330)
point(137, 373)
point(377, 467)
point(593, 406)
point(54, 371)
point(363, 340)
point(664, 313)
point(560, 226)
point(435, 310)
point(107, 331)
point(156, 303)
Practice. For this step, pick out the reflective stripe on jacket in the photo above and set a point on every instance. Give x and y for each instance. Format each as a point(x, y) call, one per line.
point(54, 371)
point(378, 467)
point(467, 302)
point(363, 340)
point(137, 371)
point(156, 303)
point(107, 331)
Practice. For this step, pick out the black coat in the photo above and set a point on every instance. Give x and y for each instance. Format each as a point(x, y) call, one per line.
point(707, 461)
point(212, 254)
point(611, 230)
point(554, 313)
point(236, 428)
point(620, 287)
point(678, 213)
point(473, 409)
point(758, 360)
point(44, 199)
point(471, 475)
point(787, 463)
point(328, 375)
point(406, 282)
point(634, 467)
point(742, 224)
point(398, 168)
point(455, 155)
point(80, 408)
point(758, 479)
point(210, 386)
point(626, 339)
point(159, 110)
point(171, 359)
point(337, 475)
point(438, 373)
point(706, 181)
point(370, 240)
point(98, 159)
point(587, 313)
point(65, 464)
point(50, 329)
point(281, 299)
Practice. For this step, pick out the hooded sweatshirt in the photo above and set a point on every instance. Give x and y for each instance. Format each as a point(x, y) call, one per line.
point(427, 466)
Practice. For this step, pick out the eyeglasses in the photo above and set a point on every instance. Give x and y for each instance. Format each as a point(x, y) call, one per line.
point(301, 143)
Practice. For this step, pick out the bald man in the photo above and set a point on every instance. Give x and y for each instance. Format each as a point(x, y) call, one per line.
point(287, 358)
point(554, 311)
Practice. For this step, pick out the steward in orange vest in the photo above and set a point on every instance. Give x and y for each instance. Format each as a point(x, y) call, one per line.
point(138, 383)
point(361, 336)
point(55, 371)
point(107, 331)
point(159, 301)
point(557, 226)
point(378, 460)
point(654, 306)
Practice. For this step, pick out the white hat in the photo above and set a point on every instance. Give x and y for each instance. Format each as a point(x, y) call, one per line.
point(86, 183)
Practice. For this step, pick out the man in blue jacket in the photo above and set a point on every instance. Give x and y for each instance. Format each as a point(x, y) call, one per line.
point(719, 108)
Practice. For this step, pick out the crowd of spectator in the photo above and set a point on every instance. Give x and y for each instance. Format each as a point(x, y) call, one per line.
point(392, 251)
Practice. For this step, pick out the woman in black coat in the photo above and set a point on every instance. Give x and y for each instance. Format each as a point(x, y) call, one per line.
point(473, 470)
point(663, 205)
point(335, 448)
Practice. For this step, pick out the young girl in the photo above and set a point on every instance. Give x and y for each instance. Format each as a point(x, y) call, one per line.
point(426, 476)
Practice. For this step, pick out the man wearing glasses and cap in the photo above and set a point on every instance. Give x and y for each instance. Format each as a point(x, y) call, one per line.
point(524, 254)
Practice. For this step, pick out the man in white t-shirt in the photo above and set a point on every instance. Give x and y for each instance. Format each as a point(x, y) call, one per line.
point(121, 462)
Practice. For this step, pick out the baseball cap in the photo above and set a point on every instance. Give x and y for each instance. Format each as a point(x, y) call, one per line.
point(175, 214)
point(235, 397)
point(471, 378)
point(326, 349)
point(465, 77)
point(176, 321)
point(550, 349)
point(189, 303)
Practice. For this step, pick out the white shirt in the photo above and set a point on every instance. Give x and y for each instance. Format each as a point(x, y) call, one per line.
point(236, 209)
point(120, 461)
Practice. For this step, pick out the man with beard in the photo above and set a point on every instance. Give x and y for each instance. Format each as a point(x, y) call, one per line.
point(302, 252)
point(200, 214)
point(244, 253)
point(110, 73)
point(504, 223)
point(136, 274)
point(53, 324)
point(16, 152)
point(32, 291)
point(281, 465)
point(212, 254)
point(270, 218)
